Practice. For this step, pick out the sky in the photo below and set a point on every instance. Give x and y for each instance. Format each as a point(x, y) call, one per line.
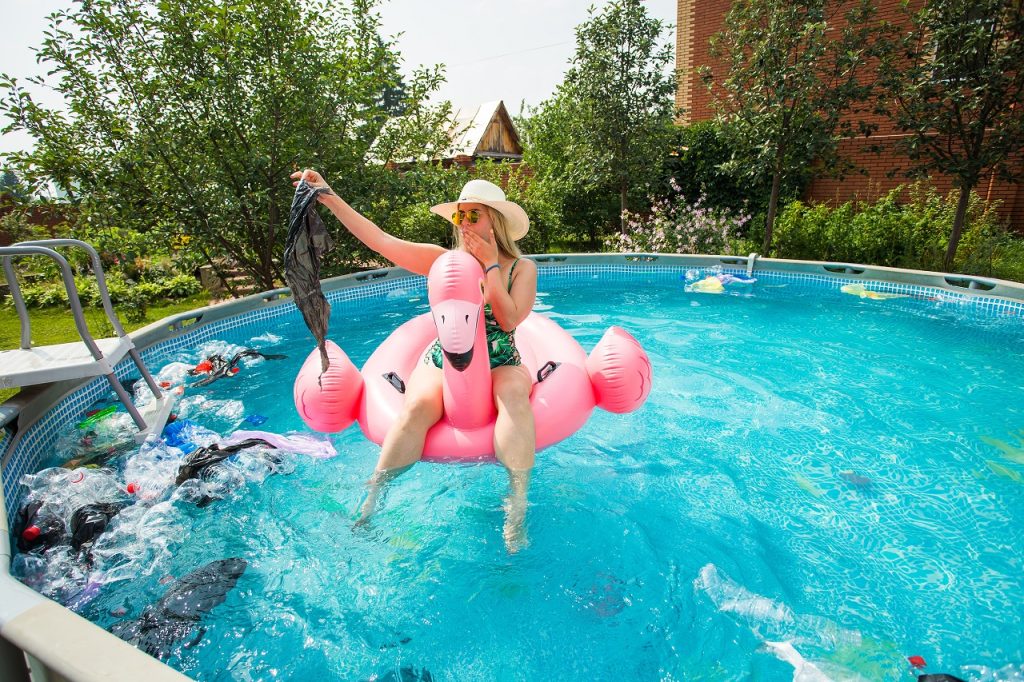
point(524, 52)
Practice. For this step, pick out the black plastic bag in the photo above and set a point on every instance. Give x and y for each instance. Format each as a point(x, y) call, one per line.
point(308, 242)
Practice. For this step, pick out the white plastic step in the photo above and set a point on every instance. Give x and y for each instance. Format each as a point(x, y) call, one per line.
point(45, 364)
point(156, 415)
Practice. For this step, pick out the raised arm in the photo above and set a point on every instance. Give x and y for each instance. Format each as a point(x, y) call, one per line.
point(412, 256)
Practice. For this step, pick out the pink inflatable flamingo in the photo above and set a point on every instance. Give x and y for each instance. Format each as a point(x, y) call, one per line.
point(568, 384)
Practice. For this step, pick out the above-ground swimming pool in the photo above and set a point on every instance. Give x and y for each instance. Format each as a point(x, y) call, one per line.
point(835, 471)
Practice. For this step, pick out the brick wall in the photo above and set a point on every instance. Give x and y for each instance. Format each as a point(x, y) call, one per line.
point(876, 181)
point(45, 216)
point(698, 20)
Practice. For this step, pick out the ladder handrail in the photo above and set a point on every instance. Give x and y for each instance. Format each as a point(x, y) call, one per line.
point(97, 270)
point(8, 252)
point(751, 261)
point(19, 302)
point(41, 248)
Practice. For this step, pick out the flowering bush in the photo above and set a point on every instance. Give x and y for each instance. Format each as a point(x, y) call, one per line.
point(676, 226)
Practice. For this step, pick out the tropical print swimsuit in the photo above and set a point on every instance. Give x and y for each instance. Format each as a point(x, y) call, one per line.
point(501, 345)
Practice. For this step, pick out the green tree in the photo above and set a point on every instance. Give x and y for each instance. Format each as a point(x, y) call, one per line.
point(794, 82)
point(187, 116)
point(12, 187)
point(618, 97)
point(956, 86)
point(699, 165)
point(565, 191)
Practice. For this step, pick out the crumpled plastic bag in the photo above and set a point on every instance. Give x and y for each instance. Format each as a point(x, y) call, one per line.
point(308, 242)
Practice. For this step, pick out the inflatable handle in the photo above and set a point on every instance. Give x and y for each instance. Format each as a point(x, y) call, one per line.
point(395, 381)
point(545, 371)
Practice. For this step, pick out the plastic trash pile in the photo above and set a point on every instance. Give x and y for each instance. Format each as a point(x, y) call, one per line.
point(115, 511)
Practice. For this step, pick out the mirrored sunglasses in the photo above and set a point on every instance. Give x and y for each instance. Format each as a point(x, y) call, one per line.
point(471, 216)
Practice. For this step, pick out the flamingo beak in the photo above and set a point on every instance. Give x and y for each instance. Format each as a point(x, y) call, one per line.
point(460, 361)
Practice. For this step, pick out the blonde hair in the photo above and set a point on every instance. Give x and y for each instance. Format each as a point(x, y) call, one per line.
point(506, 246)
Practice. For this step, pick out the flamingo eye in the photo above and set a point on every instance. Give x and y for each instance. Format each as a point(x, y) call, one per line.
point(442, 319)
point(467, 319)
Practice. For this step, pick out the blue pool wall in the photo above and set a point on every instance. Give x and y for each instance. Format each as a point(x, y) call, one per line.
point(194, 328)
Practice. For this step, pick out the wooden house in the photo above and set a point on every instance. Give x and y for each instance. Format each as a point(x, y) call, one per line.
point(484, 131)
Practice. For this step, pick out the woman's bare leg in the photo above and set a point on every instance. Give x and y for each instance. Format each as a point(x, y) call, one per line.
point(515, 444)
point(403, 445)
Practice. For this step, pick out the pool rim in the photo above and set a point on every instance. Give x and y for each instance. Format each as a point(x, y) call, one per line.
point(45, 631)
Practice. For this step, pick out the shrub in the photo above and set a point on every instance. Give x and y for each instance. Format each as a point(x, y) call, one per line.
point(992, 251)
point(131, 297)
point(43, 295)
point(16, 226)
point(677, 226)
point(180, 286)
point(416, 223)
point(1008, 259)
point(908, 227)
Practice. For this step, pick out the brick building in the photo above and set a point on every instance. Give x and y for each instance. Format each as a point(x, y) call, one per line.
point(697, 21)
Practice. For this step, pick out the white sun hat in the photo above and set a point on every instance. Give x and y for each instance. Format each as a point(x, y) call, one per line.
point(488, 194)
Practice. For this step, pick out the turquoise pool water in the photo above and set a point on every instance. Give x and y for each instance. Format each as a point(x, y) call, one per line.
point(844, 474)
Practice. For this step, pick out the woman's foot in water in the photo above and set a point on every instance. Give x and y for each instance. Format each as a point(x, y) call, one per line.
point(514, 531)
point(375, 487)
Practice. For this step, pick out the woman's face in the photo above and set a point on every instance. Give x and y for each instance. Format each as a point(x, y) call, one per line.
point(482, 226)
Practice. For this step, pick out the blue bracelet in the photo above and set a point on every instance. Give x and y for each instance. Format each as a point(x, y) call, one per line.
point(491, 267)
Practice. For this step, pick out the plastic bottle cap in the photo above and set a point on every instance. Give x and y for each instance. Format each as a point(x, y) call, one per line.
point(79, 477)
point(132, 488)
point(917, 661)
point(31, 533)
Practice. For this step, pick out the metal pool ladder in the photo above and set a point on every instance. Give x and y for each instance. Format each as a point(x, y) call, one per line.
point(30, 366)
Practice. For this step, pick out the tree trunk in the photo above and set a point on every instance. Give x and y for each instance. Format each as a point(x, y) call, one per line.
point(266, 278)
point(221, 275)
point(623, 205)
point(773, 205)
point(268, 253)
point(260, 273)
point(958, 226)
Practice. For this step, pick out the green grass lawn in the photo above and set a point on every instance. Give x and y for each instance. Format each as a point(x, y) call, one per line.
point(56, 325)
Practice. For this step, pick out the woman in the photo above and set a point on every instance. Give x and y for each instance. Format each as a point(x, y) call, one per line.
point(487, 227)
